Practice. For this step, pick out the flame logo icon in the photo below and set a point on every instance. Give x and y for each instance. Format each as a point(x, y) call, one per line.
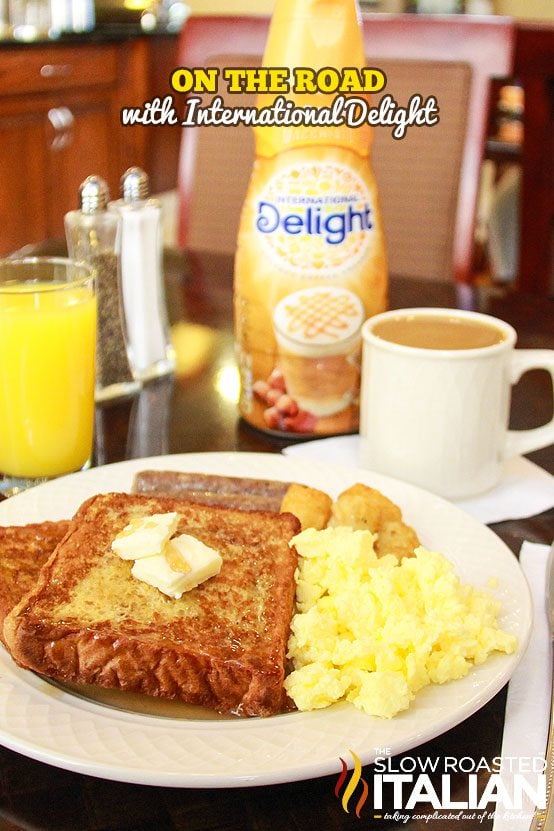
point(355, 778)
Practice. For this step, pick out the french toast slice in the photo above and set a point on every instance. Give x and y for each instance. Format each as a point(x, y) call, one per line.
point(221, 645)
point(23, 551)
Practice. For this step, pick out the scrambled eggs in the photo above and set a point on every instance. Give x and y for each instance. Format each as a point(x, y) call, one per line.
point(374, 630)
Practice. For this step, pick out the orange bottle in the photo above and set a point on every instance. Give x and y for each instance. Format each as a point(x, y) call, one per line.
point(310, 264)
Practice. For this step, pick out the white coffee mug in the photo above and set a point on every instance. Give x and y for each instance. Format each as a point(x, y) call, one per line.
point(438, 417)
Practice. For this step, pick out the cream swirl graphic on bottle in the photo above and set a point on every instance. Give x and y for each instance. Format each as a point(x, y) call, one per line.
point(315, 217)
point(318, 340)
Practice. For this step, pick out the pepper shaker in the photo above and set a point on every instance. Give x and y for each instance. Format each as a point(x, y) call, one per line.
point(142, 277)
point(93, 236)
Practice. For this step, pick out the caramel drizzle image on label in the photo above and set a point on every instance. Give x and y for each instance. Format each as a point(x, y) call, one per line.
point(326, 314)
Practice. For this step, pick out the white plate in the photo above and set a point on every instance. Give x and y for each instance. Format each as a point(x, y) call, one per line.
point(54, 726)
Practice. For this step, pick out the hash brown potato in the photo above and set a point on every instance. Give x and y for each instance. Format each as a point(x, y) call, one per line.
point(367, 509)
point(311, 506)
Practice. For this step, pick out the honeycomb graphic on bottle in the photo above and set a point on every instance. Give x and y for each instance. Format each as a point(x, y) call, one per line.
point(315, 218)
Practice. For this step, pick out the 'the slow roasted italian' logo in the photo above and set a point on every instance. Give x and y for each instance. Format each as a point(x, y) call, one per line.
point(421, 787)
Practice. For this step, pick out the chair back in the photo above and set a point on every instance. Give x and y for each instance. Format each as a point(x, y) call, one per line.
point(428, 181)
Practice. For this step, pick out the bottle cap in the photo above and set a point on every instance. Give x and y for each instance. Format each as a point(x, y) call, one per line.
point(134, 185)
point(93, 195)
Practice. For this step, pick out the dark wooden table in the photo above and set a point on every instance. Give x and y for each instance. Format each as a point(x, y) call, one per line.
point(198, 413)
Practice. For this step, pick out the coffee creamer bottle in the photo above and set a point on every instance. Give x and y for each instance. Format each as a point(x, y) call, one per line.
point(310, 264)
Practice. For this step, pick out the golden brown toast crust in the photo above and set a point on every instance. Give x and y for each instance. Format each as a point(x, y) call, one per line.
point(221, 645)
point(23, 551)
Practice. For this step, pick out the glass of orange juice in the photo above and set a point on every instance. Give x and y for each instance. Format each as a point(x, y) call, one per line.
point(47, 369)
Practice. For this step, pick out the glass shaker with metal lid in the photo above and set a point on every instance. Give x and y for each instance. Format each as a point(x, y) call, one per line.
point(93, 236)
point(142, 277)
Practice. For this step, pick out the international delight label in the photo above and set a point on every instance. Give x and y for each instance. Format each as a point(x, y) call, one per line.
point(310, 268)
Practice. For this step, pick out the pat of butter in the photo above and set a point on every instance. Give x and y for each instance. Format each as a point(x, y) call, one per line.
point(195, 561)
point(145, 536)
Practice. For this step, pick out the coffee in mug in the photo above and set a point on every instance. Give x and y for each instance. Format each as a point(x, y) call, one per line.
point(435, 398)
point(438, 331)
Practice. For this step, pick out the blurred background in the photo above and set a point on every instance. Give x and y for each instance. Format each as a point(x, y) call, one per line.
point(67, 67)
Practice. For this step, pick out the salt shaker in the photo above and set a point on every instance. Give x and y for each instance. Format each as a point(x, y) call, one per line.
point(142, 277)
point(93, 236)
